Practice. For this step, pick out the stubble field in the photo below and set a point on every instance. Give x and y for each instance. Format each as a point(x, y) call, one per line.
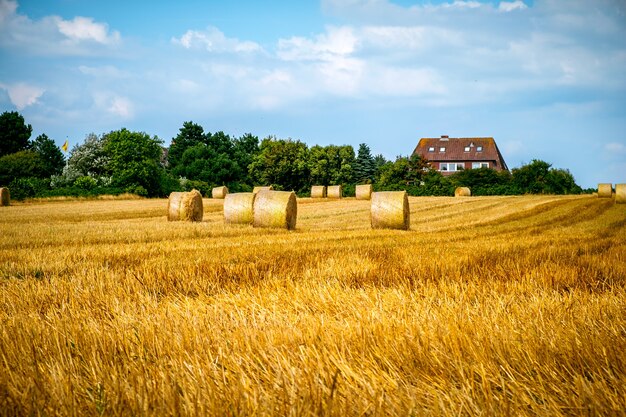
point(487, 306)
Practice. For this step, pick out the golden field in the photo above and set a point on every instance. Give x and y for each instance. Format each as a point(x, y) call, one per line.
point(487, 306)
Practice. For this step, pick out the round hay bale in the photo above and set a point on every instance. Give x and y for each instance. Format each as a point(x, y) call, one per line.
point(390, 210)
point(605, 190)
point(5, 197)
point(219, 192)
point(173, 206)
point(275, 209)
point(191, 209)
point(462, 192)
point(318, 191)
point(363, 192)
point(334, 191)
point(185, 206)
point(262, 188)
point(620, 193)
point(238, 208)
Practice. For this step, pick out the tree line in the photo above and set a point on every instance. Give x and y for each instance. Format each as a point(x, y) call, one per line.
point(124, 161)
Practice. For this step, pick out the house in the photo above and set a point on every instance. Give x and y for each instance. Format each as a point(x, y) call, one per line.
point(449, 155)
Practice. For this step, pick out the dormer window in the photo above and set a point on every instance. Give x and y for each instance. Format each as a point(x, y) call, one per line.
point(467, 149)
point(479, 149)
point(442, 149)
point(431, 149)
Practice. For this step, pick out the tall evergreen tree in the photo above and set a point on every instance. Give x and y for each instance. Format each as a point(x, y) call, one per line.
point(365, 167)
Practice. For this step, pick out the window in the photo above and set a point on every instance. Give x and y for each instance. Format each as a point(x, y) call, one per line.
point(476, 165)
point(431, 149)
point(451, 166)
point(479, 149)
point(442, 149)
point(467, 149)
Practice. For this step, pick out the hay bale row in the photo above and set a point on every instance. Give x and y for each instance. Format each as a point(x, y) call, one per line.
point(238, 208)
point(318, 191)
point(363, 192)
point(334, 191)
point(262, 188)
point(185, 206)
point(390, 210)
point(219, 192)
point(462, 192)
point(5, 196)
point(620, 193)
point(605, 190)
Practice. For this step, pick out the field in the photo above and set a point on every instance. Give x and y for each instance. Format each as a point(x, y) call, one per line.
point(487, 306)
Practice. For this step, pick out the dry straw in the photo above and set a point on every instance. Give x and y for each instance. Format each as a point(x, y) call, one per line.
point(620, 193)
point(363, 192)
point(390, 210)
point(5, 196)
point(262, 188)
point(605, 190)
point(219, 192)
point(462, 192)
point(238, 208)
point(334, 191)
point(185, 206)
point(275, 209)
point(318, 191)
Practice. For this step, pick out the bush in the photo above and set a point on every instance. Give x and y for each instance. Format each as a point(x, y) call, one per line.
point(22, 188)
point(85, 183)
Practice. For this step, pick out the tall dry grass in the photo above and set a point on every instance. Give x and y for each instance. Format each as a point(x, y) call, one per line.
point(487, 306)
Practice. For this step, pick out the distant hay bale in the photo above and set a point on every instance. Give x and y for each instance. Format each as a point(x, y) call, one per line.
point(219, 192)
point(620, 193)
point(318, 191)
point(605, 190)
point(334, 191)
point(5, 196)
point(390, 210)
point(275, 209)
point(363, 192)
point(238, 208)
point(462, 192)
point(185, 206)
point(262, 188)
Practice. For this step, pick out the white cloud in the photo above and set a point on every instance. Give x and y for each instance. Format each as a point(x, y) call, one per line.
point(213, 40)
point(337, 41)
point(114, 104)
point(509, 6)
point(53, 35)
point(85, 29)
point(23, 95)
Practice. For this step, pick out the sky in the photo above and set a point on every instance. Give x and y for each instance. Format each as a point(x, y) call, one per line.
point(545, 78)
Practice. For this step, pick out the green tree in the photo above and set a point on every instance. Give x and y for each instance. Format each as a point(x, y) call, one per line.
point(331, 165)
point(189, 135)
point(484, 181)
point(364, 165)
point(134, 161)
point(14, 133)
point(202, 162)
point(531, 178)
point(21, 164)
point(282, 163)
point(50, 153)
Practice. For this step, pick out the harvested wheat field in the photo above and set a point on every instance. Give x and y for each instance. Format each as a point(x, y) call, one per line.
point(486, 306)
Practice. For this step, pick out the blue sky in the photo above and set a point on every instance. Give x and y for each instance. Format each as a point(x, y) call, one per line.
point(545, 78)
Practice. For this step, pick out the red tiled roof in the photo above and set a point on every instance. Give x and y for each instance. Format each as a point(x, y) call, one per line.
point(455, 150)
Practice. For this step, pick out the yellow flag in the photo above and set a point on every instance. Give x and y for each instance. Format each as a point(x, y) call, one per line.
point(64, 147)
